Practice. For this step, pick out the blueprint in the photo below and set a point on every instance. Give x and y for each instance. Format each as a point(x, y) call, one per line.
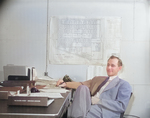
point(80, 40)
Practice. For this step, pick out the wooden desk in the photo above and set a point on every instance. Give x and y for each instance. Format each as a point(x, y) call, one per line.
point(55, 110)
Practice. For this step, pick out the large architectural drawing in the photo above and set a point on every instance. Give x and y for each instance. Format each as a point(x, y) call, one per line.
point(81, 40)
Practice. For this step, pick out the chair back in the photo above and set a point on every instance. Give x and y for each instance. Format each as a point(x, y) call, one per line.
point(122, 114)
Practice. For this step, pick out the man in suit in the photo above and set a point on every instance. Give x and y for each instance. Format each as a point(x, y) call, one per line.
point(100, 97)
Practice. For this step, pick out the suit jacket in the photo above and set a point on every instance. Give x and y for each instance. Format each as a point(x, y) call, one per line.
point(114, 99)
point(92, 83)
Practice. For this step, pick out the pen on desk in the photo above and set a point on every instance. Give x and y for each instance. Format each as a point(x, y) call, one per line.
point(61, 83)
point(62, 86)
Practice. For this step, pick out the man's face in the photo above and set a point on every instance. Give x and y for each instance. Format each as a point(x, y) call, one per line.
point(112, 67)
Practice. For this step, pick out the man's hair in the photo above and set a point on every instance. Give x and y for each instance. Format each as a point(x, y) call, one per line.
point(115, 57)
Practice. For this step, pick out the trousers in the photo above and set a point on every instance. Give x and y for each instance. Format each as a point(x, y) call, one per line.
point(81, 106)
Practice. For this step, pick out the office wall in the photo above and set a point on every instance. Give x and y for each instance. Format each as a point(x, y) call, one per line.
point(23, 31)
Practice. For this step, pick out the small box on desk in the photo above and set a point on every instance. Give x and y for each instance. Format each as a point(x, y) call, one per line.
point(29, 101)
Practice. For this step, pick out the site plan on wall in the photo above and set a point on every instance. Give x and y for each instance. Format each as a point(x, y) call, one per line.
point(80, 40)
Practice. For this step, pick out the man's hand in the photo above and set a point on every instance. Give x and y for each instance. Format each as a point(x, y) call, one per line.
point(95, 100)
point(61, 83)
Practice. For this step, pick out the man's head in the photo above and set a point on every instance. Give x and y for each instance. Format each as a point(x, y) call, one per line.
point(114, 65)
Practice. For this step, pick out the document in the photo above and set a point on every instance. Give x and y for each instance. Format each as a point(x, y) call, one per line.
point(54, 90)
point(45, 94)
point(42, 94)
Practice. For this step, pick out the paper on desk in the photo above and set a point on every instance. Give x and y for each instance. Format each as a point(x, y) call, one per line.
point(46, 81)
point(12, 93)
point(45, 94)
point(54, 90)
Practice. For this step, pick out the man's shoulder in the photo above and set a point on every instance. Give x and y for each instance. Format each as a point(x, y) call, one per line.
point(124, 82)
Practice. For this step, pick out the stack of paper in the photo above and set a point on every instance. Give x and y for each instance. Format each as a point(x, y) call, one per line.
point(42, 94)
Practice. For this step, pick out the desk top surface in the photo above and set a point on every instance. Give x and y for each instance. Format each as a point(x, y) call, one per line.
point(52, 110)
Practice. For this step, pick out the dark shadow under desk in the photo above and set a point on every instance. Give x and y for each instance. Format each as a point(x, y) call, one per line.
point(55, 110)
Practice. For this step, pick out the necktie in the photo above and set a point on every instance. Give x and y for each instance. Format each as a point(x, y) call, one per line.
point(100, 86)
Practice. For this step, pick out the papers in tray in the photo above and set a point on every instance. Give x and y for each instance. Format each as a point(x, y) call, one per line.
point(43, 94)
point(33, 99)
point(54, 90)
point(49, 95)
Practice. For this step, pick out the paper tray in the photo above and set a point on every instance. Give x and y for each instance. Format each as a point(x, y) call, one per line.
point(29, 101)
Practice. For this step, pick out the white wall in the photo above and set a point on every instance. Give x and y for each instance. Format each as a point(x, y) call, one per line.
point(23, 26)
point(23, 33)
